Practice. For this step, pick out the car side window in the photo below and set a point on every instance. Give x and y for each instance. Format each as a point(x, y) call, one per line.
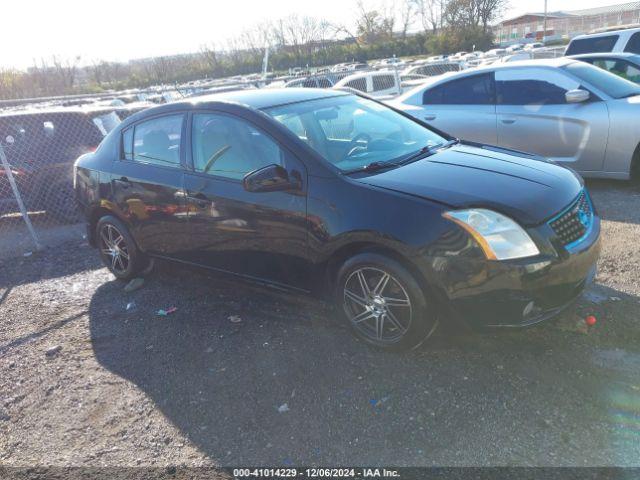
point(472, 90)
point(157, 141)
point(358, 84)
point(127, 144)
point(231, 147)
point(382, 82)
point(532, 87)
point(633, 45)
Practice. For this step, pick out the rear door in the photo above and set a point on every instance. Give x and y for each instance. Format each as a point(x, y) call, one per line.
point(533, 116)
point(147, 184)
point(464, 108)
point(262, 235)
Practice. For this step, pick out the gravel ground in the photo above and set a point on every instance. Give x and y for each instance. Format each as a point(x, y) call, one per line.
point(90, 375)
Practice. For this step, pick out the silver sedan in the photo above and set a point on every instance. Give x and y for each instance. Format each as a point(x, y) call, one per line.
point(568, 111)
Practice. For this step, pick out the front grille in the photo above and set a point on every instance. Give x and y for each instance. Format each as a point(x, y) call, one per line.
point(573, 224)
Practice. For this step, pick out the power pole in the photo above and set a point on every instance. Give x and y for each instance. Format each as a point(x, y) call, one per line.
point(544, 23)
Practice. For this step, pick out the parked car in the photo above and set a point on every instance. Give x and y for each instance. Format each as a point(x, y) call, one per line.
point(494, 52)
point(561, 109)
point(41, 146)
point(433, 68)
point(321, 81)
point(376, 84)
point(625, 65)
point(516, 47)
point(338, 195)
point(627, 40)
point(533, 46)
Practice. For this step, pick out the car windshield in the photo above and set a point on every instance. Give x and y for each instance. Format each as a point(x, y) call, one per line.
point(612, 85)
point(352, 132)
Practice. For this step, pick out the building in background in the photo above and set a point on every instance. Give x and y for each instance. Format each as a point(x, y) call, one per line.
point(566, 24)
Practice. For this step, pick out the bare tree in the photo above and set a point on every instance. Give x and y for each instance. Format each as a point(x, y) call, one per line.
point(374, 25)
point(66, 70)
point(407, 16)
point(431, 13)
point(474, 13)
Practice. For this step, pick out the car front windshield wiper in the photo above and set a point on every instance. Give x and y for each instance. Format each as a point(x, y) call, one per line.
point(428, 150)
point(372, 167)
point(423, 152)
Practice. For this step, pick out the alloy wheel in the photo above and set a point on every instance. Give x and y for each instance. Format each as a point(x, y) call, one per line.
point(377, 305)
point(114, 247)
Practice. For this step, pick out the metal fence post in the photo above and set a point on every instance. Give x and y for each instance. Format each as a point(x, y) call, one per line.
point(16, 193)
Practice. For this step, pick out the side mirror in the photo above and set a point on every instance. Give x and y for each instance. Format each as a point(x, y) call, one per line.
point(272, 178)
point(576, 96)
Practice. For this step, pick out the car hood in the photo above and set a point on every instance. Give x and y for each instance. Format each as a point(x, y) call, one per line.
point(516, 184)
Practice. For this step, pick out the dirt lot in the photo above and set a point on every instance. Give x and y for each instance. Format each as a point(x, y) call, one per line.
point(84, 380)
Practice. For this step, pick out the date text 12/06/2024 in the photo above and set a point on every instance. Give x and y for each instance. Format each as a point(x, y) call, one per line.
point(315, 472)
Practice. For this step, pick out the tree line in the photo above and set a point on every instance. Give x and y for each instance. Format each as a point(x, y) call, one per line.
point(391, 27)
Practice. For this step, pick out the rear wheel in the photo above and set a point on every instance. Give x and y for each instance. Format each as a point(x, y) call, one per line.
point(635, 167)
point(383, 303)
point(118, 250)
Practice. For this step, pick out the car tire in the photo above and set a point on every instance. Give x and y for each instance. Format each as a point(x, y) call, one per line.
point(383, 303)
point(118, 250)
point(634, 171)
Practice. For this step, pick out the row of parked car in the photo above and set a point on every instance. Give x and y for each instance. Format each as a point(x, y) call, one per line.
point(562, 109)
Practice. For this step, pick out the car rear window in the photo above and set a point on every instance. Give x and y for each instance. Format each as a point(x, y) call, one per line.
point(592, 45)
point(106, 122)
point(48, 138)
point(633, 45)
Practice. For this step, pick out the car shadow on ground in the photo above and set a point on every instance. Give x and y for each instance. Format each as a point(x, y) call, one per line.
point(253, 377)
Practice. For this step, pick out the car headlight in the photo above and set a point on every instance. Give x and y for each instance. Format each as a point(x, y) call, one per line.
point(500, 237)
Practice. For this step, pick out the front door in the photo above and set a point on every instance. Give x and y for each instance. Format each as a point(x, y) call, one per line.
point(533, 116)
point(147, 185)
point(260, 235)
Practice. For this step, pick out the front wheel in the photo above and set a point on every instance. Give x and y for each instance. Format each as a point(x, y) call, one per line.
point(383, 303)
point(118, 250)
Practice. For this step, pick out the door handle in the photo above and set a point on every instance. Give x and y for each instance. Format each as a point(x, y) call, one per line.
point(508, 121)
point(123, 182)
point(431, 116)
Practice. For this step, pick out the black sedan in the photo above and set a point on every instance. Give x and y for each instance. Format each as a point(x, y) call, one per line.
point(332, 193)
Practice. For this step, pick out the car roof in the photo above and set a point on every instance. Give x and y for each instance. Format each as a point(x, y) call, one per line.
point(621, 55)
point(445, 77)
point(263, 98)
point(622, 32)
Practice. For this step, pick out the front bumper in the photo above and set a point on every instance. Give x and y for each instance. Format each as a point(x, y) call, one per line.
point(520, 293)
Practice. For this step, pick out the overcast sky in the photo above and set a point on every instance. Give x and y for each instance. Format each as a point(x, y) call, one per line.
point(124, 29)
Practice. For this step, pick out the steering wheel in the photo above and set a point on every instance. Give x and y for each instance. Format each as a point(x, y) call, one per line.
point(353, 145)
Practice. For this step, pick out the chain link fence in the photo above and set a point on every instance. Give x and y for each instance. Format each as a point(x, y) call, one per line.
point(38, 147)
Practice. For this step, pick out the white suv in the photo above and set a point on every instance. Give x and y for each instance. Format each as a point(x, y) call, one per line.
point(614, 41)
